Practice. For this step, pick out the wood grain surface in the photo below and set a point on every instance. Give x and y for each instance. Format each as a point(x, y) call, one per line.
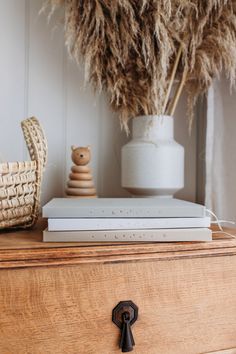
point(58, 298)
point(185, 307)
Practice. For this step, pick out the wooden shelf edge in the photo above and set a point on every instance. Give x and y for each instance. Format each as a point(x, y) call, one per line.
point(113, 259)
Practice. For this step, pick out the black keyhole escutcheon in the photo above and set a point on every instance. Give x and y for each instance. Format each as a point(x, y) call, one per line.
point(124, 315)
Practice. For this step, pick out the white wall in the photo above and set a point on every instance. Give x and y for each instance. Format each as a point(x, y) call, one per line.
point(38, 78)
point(221, 148)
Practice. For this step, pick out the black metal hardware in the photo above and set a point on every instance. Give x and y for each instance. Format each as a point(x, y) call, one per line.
point(124, 315)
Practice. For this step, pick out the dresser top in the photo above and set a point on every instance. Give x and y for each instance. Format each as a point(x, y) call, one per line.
point(25, 248)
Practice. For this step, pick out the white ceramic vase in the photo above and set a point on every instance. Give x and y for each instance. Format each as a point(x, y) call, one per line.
point(152, 163)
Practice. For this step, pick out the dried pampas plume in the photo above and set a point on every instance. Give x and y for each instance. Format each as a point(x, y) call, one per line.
point(135, 50)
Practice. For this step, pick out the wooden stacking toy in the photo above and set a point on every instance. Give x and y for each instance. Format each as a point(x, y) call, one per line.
point(80, 182)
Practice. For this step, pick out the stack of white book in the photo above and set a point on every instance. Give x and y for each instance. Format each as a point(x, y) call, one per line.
point(125, 219)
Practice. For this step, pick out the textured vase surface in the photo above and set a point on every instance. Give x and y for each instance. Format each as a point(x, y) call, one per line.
point(152, 163)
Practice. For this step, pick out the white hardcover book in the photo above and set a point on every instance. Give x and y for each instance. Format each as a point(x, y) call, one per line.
point(122, 208)
point(70, 224)
point(161, 235)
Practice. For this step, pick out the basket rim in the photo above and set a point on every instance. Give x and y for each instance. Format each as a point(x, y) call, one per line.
point(14, 174)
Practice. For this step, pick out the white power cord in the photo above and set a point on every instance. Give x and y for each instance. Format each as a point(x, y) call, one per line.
point(218, 222)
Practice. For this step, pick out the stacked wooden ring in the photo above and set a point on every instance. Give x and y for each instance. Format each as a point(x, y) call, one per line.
point(80, 183)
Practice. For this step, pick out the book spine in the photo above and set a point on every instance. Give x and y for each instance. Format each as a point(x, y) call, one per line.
point(165, 235)
point(125, 223)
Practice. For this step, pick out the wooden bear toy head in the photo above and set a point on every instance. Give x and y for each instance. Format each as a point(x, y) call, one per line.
point(80, 155)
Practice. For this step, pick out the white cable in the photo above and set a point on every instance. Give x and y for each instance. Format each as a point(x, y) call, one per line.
point(218, 222)
point(216, 218)
point(224, 221)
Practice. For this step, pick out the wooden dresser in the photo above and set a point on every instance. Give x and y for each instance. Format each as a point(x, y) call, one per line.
point(58, 298)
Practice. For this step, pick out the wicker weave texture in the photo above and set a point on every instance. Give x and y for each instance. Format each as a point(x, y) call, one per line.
point(20, 182)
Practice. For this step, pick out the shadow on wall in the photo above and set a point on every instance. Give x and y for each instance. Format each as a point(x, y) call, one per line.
point(189, 142)
point(112, 138)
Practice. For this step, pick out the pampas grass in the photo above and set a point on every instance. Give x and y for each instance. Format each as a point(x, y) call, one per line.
point(134, 50)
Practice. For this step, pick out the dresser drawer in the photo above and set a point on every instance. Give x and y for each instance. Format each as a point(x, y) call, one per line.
point(186, 305)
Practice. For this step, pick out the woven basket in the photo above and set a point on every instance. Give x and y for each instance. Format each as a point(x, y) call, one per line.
point(20, 182)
